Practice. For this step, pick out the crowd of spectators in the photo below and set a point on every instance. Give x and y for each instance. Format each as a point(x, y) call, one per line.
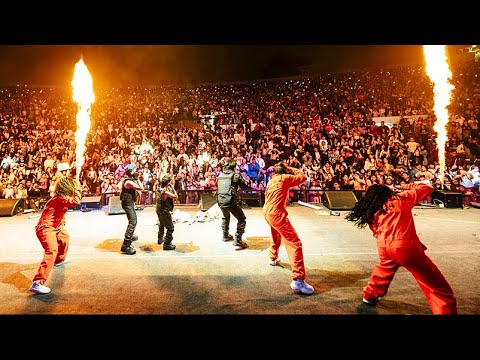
point(327, 125)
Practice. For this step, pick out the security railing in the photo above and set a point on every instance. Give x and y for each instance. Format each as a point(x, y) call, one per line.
point(194, 197)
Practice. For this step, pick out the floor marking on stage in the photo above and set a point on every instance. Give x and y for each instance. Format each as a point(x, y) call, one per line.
point(373, 253)
point(73, 257)
point(457, 221)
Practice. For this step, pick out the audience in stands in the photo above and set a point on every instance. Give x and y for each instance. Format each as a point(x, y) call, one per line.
point(326, 125)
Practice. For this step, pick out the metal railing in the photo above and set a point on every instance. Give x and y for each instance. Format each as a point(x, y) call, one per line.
point(193, 197)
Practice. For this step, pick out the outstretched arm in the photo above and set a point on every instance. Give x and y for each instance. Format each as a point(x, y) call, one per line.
point(241, 182)
point(416, 192)
point(137, 185)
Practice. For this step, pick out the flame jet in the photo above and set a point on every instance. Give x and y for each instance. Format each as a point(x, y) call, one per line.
point(84, 97)
point(436, 67)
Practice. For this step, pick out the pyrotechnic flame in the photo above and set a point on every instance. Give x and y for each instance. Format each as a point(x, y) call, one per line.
point(437, 69)
point(84, 97)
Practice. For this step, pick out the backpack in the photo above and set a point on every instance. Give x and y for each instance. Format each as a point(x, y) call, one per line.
point(165, 204)
point(225, 192)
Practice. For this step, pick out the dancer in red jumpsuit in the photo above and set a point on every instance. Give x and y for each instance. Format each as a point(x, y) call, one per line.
point(389, 216)
point(276, 215)
point(51, 232)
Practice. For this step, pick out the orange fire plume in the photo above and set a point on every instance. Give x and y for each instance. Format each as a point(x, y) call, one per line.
point(437, 69)
point(84, 97)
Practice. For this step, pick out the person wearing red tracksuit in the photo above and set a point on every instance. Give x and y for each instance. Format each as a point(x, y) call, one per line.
point(276, 215)
point(389, 216)
point(51, 232)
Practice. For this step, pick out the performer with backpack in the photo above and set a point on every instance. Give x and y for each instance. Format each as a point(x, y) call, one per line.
point(130, 186)
point(229, 202)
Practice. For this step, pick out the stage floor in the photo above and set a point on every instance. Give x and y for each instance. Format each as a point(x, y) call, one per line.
point(207, 276)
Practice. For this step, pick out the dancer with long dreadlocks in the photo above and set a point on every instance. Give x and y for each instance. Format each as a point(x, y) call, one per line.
point(51, 232)
point(389, 216)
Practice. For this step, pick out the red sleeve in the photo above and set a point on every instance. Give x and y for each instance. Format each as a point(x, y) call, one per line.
point(416, 192)
point(297, 178)
point(73, 200)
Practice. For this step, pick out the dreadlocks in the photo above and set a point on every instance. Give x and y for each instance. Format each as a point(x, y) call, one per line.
point(373, 201)
point(65, 186)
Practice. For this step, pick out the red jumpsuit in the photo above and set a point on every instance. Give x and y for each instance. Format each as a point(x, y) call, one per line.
point(52, 234)
point(398, 245)
point(276, 215)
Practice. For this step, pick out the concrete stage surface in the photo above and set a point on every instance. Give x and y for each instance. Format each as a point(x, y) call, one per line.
point(207, 276)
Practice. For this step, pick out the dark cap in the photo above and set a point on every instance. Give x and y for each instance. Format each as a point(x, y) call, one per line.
point(230, 164)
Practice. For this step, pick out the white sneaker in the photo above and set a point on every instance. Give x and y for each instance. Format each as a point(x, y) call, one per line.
point(301, 287)
point(372, 302)
point(274, 262)
point(66, 261)
point(39, 288)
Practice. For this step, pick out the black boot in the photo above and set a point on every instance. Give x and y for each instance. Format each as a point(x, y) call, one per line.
point(169, 246)
point(127, 247)
point(227, 237)
point(239, 243)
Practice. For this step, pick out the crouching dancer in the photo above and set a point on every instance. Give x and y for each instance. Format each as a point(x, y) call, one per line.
point(51, 232)
point(389, 216)
point(275, 213)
